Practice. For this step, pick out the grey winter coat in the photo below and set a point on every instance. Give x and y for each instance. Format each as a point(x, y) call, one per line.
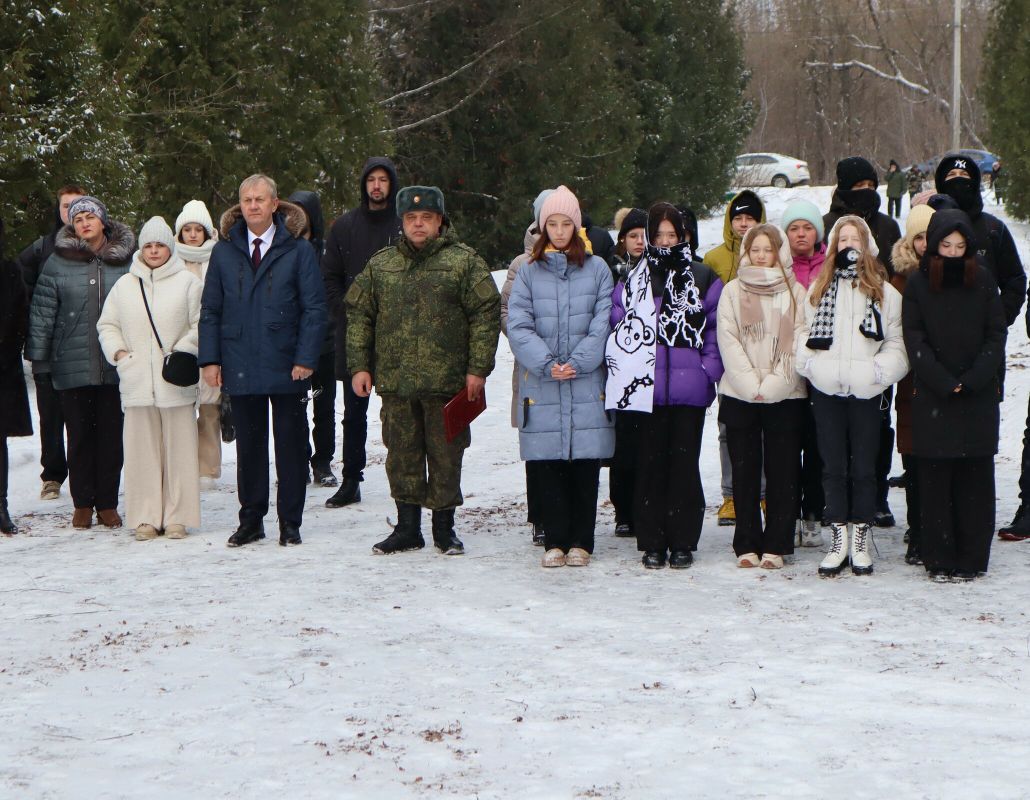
point(558, 313)
point(66, 304)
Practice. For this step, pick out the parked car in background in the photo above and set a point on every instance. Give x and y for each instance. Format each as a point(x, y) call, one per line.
point(769, 169)
point(984, 160)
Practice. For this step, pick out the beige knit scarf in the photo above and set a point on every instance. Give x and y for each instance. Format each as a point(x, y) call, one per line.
point(755, 281)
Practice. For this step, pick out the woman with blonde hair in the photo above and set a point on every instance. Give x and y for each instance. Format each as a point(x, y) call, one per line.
point(762, 401)
point(851, 350)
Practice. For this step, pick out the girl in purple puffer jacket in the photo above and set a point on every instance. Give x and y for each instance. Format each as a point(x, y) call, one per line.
point(663, 359)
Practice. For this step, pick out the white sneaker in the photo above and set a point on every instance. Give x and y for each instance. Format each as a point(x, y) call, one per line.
point(837, 558)
point(861, 556)
point(207, 483)
point(811, 533)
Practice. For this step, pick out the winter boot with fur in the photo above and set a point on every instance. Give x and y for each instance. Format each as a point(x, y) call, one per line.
point(861, 549)
point(443, 533)
point(811, 533)
point(837, 558)
point(407, 533)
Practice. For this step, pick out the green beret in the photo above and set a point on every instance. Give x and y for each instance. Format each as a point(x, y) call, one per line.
point(419, 198)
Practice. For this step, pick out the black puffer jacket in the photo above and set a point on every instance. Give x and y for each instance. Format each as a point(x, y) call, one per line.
point(15, 419)
point(353, 239)
point(66, 305)
point(313, 209)
point(30, 261)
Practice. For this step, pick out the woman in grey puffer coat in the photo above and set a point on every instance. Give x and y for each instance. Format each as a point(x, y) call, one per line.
point(557, 326)
point(90, 254)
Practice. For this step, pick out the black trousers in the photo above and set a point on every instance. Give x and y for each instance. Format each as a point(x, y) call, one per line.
point(51, 430)
point(1024, 475)
point(669, 503)
point(893, 206)
point(534, 512)
point(914, 510)
point(957, 499)
point(764, 436)
point(93, 417)
point(290, 432)
point(623, 470)
point(323, 409)
point(4, 469)
point(885, 455)
point(813, 499)
point(841, 421)
point(568, 501)
point(355, 432)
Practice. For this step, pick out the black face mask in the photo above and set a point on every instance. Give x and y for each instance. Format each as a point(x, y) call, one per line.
point(966, 193)
point(863, 202)
point(845, 258)
point(954, 270)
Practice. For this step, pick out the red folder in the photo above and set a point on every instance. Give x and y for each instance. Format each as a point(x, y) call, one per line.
point(460, 411)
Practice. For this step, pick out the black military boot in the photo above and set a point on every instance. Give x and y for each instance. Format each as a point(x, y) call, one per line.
point(349, 492)
point(6, 523)
point(407, 533)
point(443, 533)
point(1019, 529)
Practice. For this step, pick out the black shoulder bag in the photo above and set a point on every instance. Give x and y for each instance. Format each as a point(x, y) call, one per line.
point(179, 369)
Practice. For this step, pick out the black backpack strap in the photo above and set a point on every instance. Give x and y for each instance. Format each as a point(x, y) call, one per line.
point(150, 316)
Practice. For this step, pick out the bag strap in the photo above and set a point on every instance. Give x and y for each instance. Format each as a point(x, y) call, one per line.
point(150, 316)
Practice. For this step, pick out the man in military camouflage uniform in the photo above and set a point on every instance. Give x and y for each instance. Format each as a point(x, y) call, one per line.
point(422, 323)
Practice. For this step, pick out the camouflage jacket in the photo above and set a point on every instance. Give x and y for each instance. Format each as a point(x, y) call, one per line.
point(421, 320)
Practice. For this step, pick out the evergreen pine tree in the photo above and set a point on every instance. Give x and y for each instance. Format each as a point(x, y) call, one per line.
point(1006, 76)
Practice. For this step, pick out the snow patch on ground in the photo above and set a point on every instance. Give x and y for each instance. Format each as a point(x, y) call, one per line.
point(184, 669)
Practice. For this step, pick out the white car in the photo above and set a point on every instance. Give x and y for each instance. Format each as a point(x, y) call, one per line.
point(770, 169)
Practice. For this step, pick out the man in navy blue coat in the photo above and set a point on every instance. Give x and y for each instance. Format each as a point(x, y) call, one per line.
point(262, 321)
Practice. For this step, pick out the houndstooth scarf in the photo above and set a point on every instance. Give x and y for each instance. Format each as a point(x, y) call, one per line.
point(821, 336)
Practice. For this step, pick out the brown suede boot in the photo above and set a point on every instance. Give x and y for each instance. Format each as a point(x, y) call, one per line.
point(82, 518)
point(109, 518)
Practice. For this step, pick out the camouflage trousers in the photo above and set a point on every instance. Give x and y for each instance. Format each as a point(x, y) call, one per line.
point(413, 432)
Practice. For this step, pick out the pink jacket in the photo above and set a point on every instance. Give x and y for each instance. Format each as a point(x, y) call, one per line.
point(806, 268)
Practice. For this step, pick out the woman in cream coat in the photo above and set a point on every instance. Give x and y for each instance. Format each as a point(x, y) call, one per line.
point(851, 350)
point(162, 489)
point(195, 238)
point(763, 398)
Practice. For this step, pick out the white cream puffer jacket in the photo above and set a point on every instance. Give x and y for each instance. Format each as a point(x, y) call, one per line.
point(855, 365)
point(174, 297)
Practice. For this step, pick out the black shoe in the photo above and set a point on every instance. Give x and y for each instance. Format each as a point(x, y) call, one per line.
point(624, 530)
point(938, 575)
point(6, 523)
point(680, 559)
point(288, 534)
point(349, 492)
point(897, 481)
point(1019, 528)
point(407, 533)
point(245, 534)
point(883, 518)
point(962, 575)
point(324, 477)
point(444, 538)
point(538, 535)
point(912, 556)
point(653, 560)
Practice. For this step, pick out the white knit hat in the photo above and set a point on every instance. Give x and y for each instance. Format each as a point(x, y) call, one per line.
point(156, 230)
point(195, 211)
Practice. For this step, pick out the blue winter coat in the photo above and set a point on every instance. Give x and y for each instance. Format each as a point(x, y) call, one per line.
point(258, 325)
point(558, 313)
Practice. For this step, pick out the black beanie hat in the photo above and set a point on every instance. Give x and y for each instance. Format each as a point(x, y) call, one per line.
point(948, 221)
point(746, 203)
point(956, 161)
point(854, 169)
point(636, 218)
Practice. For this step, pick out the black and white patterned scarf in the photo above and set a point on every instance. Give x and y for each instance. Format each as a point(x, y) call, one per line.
point(682, 320)
point(821, 332)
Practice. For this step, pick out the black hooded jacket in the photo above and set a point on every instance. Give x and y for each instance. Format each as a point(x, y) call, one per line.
point(996, 249)
point(353, 239)
point(884, 229)
point(33, 257)
point(600, 240)
point(316, 221)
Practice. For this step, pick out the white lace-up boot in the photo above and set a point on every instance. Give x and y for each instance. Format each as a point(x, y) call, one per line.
point(861, 554)
point(837, 558)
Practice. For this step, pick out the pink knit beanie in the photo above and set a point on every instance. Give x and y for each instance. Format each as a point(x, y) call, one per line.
point(561, 201)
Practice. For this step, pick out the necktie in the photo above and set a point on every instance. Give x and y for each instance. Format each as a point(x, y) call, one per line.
point(255, 259)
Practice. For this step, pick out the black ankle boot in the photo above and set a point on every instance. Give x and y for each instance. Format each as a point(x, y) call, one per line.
point(349, 492)
point(407, 533)
point(443, 533)
point(6, 523)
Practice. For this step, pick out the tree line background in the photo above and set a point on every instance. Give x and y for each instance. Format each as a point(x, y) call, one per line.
point(626, 101)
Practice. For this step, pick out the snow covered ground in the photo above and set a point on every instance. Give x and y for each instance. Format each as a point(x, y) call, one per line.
point(183, 669)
